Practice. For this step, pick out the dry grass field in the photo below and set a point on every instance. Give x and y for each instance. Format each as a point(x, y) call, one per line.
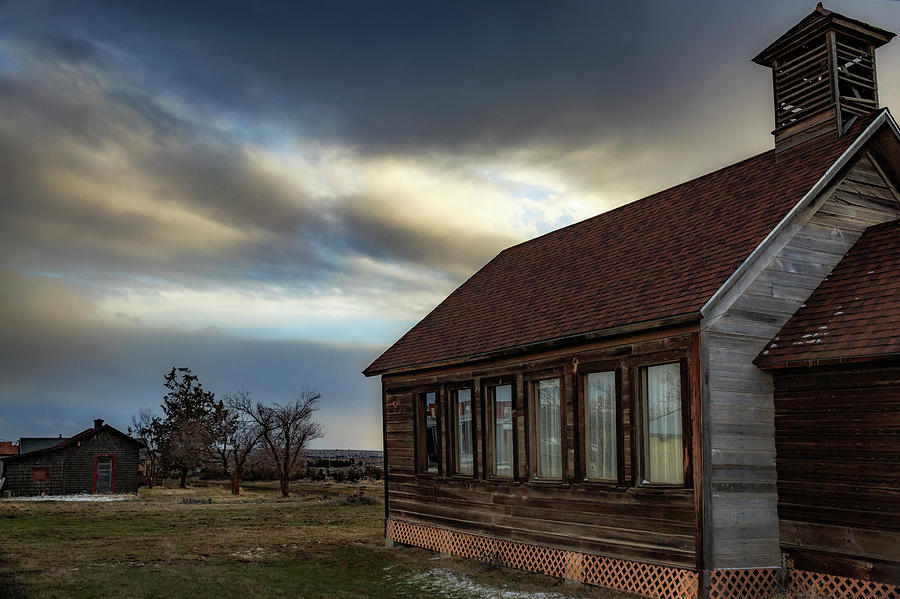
point(318, 543)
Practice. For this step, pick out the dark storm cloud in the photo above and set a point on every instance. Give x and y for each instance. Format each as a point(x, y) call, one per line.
point(401, 75)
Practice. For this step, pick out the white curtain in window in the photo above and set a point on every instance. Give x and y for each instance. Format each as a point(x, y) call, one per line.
point(664, 447)
point(464, 457)
point(549, 431)
point(503, 432)
point(600, 437)
point(431, 433)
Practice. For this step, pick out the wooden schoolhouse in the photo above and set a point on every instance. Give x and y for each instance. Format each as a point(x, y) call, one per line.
point(696, 394)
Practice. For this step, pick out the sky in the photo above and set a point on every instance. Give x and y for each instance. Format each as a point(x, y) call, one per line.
point(272, 193)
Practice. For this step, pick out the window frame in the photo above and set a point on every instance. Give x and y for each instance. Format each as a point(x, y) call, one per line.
point(581, 453)
point(421, 459)
point(531, 385)
point(488, 387)
point(640, 433)
point(452, 440)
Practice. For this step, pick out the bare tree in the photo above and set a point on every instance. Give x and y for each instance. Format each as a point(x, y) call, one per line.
point(285, 431)
point(147, 428)
point(233, 436)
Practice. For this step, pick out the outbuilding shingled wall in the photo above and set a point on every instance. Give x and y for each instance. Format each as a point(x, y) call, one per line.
point(80, 463)
point(73, 466)
point(19, 479)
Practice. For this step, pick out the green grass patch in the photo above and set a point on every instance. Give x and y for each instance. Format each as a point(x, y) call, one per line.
point(315, 544)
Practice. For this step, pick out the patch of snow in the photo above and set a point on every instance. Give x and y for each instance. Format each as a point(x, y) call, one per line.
point(446, 584)
point(79, 497)
point(250, 554)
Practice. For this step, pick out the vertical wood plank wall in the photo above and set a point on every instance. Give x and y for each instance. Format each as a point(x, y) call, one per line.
point(656, 525)
point(742, 495)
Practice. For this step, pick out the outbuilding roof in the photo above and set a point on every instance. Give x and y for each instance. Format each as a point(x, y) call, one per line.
point(853, 315)
point(645, 263)
point(85, 434)
point(8, 448)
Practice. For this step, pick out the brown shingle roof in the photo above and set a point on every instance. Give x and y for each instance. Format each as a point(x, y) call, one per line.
point(659, 257)
point(854, 314)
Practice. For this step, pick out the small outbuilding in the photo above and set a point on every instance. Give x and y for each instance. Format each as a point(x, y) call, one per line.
point(100, 459)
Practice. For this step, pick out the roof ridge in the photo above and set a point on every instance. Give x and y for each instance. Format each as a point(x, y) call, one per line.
point(696, 179)
point(640, 200)
point(75, 438)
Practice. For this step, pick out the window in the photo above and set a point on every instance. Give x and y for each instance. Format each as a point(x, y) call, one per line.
point(429, 440)
point(600, 426)
point(463, 433)
point(500, 413)
point(547, 432)
point(663, 445)
point(40, 475)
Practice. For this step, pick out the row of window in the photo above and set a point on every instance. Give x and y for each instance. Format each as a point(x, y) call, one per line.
point(658, 428)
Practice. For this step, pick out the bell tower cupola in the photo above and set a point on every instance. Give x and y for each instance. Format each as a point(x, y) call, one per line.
point(823, 73)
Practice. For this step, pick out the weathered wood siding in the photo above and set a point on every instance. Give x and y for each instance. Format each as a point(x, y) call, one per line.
point(618, 520)
point(837, 433)
point(742, 494)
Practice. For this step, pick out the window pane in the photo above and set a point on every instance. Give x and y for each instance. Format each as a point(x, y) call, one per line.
point(464, 434)
point(549, 436)
point(600, 434)
point(663, 424)
point(503, 432)
point(431, 433)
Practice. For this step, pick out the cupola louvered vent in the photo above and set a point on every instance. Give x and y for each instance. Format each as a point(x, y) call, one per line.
point(823, 77)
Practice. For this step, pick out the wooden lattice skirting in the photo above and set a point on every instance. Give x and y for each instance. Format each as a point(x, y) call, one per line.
point(649, 580)
point(749, 583)
point(659, 582)
point(839, 587)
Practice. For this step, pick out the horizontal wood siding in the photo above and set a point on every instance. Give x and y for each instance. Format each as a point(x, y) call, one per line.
point(653, 525)
point(838, 444)
point(744, 528)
